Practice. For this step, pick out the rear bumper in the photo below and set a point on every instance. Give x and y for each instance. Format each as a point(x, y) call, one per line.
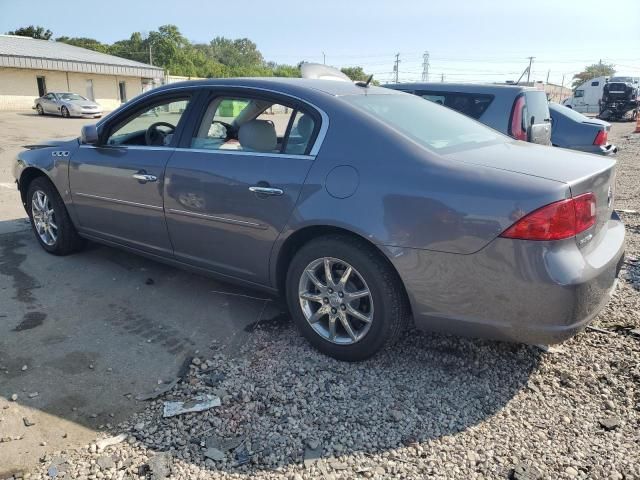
point(514, 290)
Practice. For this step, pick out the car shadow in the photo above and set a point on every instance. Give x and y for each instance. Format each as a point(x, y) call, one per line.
point(99, 328)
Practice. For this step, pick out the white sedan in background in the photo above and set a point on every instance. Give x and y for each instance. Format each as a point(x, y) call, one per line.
point(67, 104)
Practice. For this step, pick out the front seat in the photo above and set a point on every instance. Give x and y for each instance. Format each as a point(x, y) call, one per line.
point(258, 136)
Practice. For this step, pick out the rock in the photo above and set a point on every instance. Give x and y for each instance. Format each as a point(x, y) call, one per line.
point(160, 465)
point(14, 397)
point(572, 472)
point(24, 368)
point(196, 361)
point(33, 394)
point(610, 423)
point(108, 442)
point(106, 462)
point(27, 422)
point(312, 443)
point(524, 471)
point(396, 415)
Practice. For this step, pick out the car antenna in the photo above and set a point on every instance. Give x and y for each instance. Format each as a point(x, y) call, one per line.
point(365, 84)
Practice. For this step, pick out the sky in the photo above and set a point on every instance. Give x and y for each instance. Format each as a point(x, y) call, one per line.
point(467, 41)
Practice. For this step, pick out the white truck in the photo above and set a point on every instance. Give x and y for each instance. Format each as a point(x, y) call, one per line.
point(586, 97)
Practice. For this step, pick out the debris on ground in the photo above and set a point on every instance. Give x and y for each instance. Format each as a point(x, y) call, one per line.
point(158, 392)
point(160, 465)
point(27, 422)
point(214, 454)
point(149, 281)
point(197, 404)
point(109, 442)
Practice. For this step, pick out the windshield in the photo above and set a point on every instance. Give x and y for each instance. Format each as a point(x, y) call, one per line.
point(70, 96)
point(431, 125)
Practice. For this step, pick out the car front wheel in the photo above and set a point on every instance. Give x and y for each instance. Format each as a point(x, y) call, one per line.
point(345, 297)
point(65, 112)
point(49, 219)
point(39, 109)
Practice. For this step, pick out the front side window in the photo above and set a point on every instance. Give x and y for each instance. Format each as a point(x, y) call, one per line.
point(254, 125)
point(435, 128)
point(153, 126)
point(579, 93)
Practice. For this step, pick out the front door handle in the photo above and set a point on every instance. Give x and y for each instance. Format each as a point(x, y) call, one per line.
point(144, 177)
point(266, 190)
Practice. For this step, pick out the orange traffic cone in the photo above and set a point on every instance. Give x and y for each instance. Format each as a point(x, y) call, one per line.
point(637, 130)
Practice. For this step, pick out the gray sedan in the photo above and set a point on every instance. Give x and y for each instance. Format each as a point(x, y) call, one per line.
point(365, 207)
point(67, 104)
point(577, 132)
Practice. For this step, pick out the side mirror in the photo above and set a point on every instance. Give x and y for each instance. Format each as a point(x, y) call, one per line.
point(89, 135)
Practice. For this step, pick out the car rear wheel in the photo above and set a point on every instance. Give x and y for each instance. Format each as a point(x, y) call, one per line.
point(345, 297)
point(65, 112)
point(50, 220)
point(39, 109)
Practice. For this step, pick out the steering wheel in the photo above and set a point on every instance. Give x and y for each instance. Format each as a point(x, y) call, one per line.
point(155, 136)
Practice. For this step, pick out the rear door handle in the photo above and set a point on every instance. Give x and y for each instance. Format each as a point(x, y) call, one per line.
point(266, 190)
point(144, 177)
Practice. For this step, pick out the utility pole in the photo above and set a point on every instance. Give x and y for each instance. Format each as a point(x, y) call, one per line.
point(529, 69)
point(548, 72)
point(150, 55)
point(561, 89)
point(442, 77)
point(425, 67)
point(395, 66)
point(324, 58)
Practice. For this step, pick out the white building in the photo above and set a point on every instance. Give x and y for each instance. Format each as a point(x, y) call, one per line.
point(29, 68)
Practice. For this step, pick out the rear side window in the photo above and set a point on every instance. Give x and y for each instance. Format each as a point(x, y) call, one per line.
point(537, 107)
point(471, 104)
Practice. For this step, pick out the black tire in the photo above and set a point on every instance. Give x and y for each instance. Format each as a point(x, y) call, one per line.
point(39, 109)
point(391, 310)
point(67, 241)
point(65, 112)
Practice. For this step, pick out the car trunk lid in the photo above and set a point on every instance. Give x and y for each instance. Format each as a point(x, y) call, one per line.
point(582, 172)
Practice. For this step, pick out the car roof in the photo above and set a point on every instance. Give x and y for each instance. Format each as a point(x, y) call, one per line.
point(285, 85)
point(462, 87)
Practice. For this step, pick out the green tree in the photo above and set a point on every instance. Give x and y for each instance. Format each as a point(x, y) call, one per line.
point(592, 71)
point(240, 52)
point(355, 73)
point(33, 32)
point(135, 48)
point(84, 42)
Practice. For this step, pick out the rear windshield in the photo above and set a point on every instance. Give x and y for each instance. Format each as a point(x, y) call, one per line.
point(431, 125)
point(471, 104)
point(537, 107)
point(567, 112)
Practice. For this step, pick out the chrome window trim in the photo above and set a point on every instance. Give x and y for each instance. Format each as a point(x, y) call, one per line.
point(244, 152)
point(324, 125)
point(216, 218)
point(122, 202)
point(128, 147)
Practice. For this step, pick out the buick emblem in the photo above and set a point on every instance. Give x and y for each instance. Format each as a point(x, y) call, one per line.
point(59, 153)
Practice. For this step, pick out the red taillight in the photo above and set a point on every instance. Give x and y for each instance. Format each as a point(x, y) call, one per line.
point(601, 138)
point(558, 220)
point(516, 129)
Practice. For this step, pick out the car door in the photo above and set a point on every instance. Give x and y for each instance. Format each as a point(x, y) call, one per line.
point(49, 104)
point(117, 186)
point(227, 198)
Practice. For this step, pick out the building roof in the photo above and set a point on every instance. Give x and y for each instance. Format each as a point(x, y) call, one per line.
point(25, 52)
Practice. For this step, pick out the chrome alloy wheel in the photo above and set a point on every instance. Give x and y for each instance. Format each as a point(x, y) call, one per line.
point(335, 300)
point(44, 218)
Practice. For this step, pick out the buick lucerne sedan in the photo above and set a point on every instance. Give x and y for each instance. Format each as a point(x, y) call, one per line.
point(367, 208)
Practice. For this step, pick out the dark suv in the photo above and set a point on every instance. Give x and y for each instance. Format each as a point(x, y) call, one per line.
point(521, 112)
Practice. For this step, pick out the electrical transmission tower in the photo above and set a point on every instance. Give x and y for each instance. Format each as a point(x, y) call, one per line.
point(395, 67)
point(425, 67)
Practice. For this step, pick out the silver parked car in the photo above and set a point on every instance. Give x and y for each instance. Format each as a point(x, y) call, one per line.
point(67, 104)
point(365, 207)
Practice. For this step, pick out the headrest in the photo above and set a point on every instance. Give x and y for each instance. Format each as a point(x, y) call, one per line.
point(258, 136)
point(305, 126)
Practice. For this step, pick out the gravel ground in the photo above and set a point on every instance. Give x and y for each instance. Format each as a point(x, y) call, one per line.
point(433, 407)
